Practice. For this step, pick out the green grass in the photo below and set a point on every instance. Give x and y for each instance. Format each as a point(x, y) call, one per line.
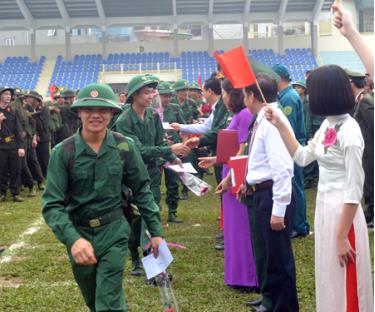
point(39, 276)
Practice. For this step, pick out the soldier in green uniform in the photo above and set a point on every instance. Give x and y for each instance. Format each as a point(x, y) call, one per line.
point(82, 200)
point(188, 106)
point(195, 93)
point(26, 177)
point(70, 120)
point(55, 120)
point(170, 113)
point(42, 119)
point(142, 123)
point(364, 115)
point(11, 146)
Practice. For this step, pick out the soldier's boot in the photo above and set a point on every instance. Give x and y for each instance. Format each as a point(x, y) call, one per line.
point(3, 197)
point(137, 268)
point(18, 199)
point(172, 218)
point(184, 194)
point(32, 192)
point(41, 186)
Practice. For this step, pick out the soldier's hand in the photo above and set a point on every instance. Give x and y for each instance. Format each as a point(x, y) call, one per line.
point(82, 252)
point(206, 162)
point(176, 126)
point(177, 161)
point(34, 143)
point(180, 149)
point(2, 118)
point(192, 143)
point(155, 242)
point(21, 152)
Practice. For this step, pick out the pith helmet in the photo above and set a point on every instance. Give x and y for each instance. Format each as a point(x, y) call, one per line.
point(2, 89)
point(165, 88)
point(181, 85)
point(96, 95)
point(195, 86)
point(34, 94)
point(139, 82)
point(300, 83)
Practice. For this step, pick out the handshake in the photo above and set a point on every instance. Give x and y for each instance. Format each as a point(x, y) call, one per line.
point(183, 149)
point(190, 143)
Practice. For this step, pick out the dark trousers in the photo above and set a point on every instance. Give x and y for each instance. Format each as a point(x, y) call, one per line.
point(34, 166)
point(368, 187)
point(42, 151)
point(171, 183)
point(278, 262)
point(10, 169)
point(26, 176)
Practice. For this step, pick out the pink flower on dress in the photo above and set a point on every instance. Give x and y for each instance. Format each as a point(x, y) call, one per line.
point(330, 137)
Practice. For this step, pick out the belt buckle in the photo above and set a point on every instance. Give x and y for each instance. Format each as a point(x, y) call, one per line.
point(94, 223)
point(8, 139)
point(253, 188)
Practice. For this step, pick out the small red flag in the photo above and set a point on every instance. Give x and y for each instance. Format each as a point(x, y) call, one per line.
point(236, 67)
point(52, 90)
point(200, 80)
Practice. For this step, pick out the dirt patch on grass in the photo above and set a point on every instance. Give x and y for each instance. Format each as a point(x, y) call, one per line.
point(10, 281)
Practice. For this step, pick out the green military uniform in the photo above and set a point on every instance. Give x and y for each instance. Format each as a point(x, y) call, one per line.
point(171, 113)
point(42, 119)
point(55, 118)
point(69, 119)
point(83, 200)
point(11, 140)
point(189, 107)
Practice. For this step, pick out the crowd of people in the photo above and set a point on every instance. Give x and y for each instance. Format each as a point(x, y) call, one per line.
point(109, 154)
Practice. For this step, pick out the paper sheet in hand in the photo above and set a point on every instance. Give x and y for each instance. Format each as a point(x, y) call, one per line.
point(186, 167)
point(167, 126)
point(154, 266)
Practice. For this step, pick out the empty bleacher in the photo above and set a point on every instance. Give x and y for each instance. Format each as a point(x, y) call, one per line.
point(20, 72)
point(345, 59)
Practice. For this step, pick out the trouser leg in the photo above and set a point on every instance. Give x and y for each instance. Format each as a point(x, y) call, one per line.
point(34, 165)
point(171, 183)
point(300, 223)
point(15, 171)
point(155, 183)
point(26, 176)
point(4, 170)
point(42, 151)
point(368, 188)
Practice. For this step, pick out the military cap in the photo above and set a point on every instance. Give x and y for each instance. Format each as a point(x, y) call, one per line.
point(165, 88)
point(300, 83)
point(139, 82)
point(33, 94)
point(96, 95)
point(2, 89)
point(195, 86)
point(181, 85)
point(281, 70)
point(68, 94)
point(57, 94)
point(353, 74)
point(153, 77)
point(19, 92)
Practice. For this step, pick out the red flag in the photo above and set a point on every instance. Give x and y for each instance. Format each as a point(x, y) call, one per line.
point(52, 90)
point(200, 80)
point(236, 67)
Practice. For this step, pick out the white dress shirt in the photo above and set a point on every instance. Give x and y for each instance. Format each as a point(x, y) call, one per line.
point(269, 159)
point(200, 128)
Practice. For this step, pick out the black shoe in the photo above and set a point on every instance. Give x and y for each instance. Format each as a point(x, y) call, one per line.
point(260, 308)
point(41, 186)
point(254, 303)
point(137, 268)
point(18, 199)
point(183, 196)
point(172, 218)
point(219, 236)
point(220, 246)
point(1, 249)
point(32, 192)
point(3, 197)
point(370, 224)
point(295, 234)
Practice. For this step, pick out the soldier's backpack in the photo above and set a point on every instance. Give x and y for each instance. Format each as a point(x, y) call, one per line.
point(131, 212)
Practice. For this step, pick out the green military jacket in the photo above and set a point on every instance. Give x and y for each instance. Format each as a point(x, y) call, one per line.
point(70, 122)
point(94, 186)
point(55, 117)
point(26, 120)
point(11, 136)
point(189, 109)
point(173, 113)
point(148, 135)
point(220, 121)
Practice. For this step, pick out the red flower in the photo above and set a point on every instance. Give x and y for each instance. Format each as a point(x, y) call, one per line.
point(330, 137)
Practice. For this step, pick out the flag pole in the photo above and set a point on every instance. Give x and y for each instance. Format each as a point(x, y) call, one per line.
point(260, 90)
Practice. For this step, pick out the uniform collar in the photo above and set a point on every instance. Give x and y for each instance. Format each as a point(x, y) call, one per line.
point(284, 91)
point(135, 118)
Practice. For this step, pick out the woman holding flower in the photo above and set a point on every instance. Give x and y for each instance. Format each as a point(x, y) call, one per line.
point(342, 255)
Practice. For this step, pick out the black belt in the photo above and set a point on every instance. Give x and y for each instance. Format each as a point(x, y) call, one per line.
point(253, 188)
point(100, 221)
point(7, 139)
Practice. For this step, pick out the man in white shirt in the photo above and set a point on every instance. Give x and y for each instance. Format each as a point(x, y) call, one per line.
point(270, 203)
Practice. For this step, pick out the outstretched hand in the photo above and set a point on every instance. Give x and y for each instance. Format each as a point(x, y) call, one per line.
point(342, 19)
point(272, 115)
point(206, 162)
point(192, 143)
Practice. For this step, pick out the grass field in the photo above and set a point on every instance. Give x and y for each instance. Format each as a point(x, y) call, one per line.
point(35, 274)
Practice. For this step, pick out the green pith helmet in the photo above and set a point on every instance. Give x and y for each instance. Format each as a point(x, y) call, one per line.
point(139, 82)
point(96, 95)
point(165, 88)
point(68, 94)
point(195, 86)
point(153, 77)
point(282, 71)
point(18, 92)
point(181, 85)
point(300, 83)
point(34, 94)
point(353, 74)
point(2, 89)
